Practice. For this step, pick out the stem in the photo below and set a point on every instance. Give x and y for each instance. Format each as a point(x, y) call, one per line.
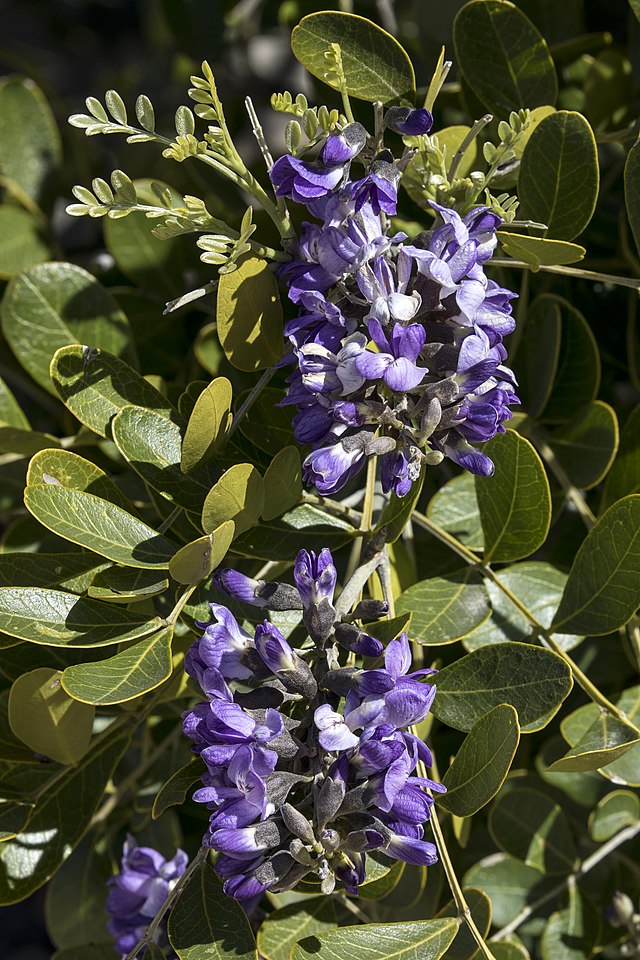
point(569, 272)
point(175, 513)
point(365, 518)
point(258, 133)
point(150, 932)
point(251, 399)
point(563, 479)
point(180, 604)
point(478, 126)
point(600, 854)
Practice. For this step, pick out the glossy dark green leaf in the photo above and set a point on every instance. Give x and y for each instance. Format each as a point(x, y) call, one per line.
point(503, 57)
point(586, 446)
point(282, 483)
point(283, 928)
point(539, 586)
point(376, 66)
point(607, 739)
point(100, 526)
point(75, 904)
point(24, 442)
point(305, 526)
point(515, 504)
point(559, 175)
point(208, 424)
point(56, 304)
point(482, 762)
point(11, 413)
point(130, 673)
point(571, 934)
point(625, 770)
point(30, 146)
point(95, 385)
point(126, 585)
point(398, 510)
point(59, 821)
point(445, 608)
point(603, 589)
point(14, 815)
point(197, 560)
point(538, 354)
point(175, 789)
point(578, 375)
point(584, 789)
point(73, 472)
point(23, 242)
point(509, 949)
point(428, 940)
point(464, 946)
point(53, 618)
point(540, 251)
point(238, 495)
point(47, 719)
point(529, 825)
point(153, 446)
point(206, 923)
point(509, 884)
point(19, 569)
point(533, 680)
point(249, 315)
point(617, 810)
point(11, 748)
point(624, 476)
point(632, 189)
point(455, 508)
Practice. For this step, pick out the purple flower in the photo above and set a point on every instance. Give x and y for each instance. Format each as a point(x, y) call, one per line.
point(377, 191)
point(396, 363)
point(409, 122)
point(330, 468)
point(222, 645)
point(315, 576)
point(334, 731)
point(344, 146)
point(136, 893)
point(274, 649)
point(302, 181)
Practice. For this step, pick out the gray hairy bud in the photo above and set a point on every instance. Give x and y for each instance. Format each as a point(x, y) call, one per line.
point(278, 596)
point(328, 801)
point(297, 823)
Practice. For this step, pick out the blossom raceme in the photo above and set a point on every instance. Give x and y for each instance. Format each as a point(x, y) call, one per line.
point(138, 891)
point(398, 345)
point(310, 764)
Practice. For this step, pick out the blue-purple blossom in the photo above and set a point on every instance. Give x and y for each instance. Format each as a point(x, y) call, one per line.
point(137, 893)
point(309, 761)
point(408, 122)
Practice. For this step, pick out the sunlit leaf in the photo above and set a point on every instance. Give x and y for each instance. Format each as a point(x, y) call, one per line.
point(44, 717)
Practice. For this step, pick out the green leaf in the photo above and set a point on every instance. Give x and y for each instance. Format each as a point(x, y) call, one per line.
point(398, 510)
point(619, 809)
point(540, 251)
point(135, 670)
point(208, 424)
point(515, 504)
point(19, 569)
point(578, 375)
point(282, 483)
point(376, 66)
point(24, 442)
point(126, 585)
point(503, 57)
point(632, 184)
point(283, 928)
point(626, 769)
point(624, 476)
point(635, 6)
point(206, 923)
point(606, 740)
point(584, 789)
point(464, 946)
point(533, 680)
point(54, 618)
point(44, 717)
point(417, 175)
point(538, 354)
point(532, 827)
point(175, 789)
point(14, 815)
point(559, 175)
point(509, 884)
point(98, 525)
point(30, 147)
point(53, 305)
point(94, 385)
point(238, 495)
point(197, 560)
point(249, 315)
point(97, 951)
point(11, 748)
point(11, 413)
point(59, 822)
point(63, 468)
point(455, 508)
point(267, 425)
point(571, 934)
point(445, 609)
point(153, 446)
point(150, 262)
point(603, 589)
point(426, 940)
point(304, 526)
point(539, 586)
point(586, 446)
point(75, 903)
point(509, 949)
point(482, 762)
point(22, 243)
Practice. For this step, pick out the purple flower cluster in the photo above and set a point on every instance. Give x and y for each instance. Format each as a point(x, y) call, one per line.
point(398, 345)
point(309, 762)
point(138, 891)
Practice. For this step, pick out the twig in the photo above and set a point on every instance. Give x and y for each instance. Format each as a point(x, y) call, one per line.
point(478, 126)
point(569, 272)
point(353, 588)
point(258, 132)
